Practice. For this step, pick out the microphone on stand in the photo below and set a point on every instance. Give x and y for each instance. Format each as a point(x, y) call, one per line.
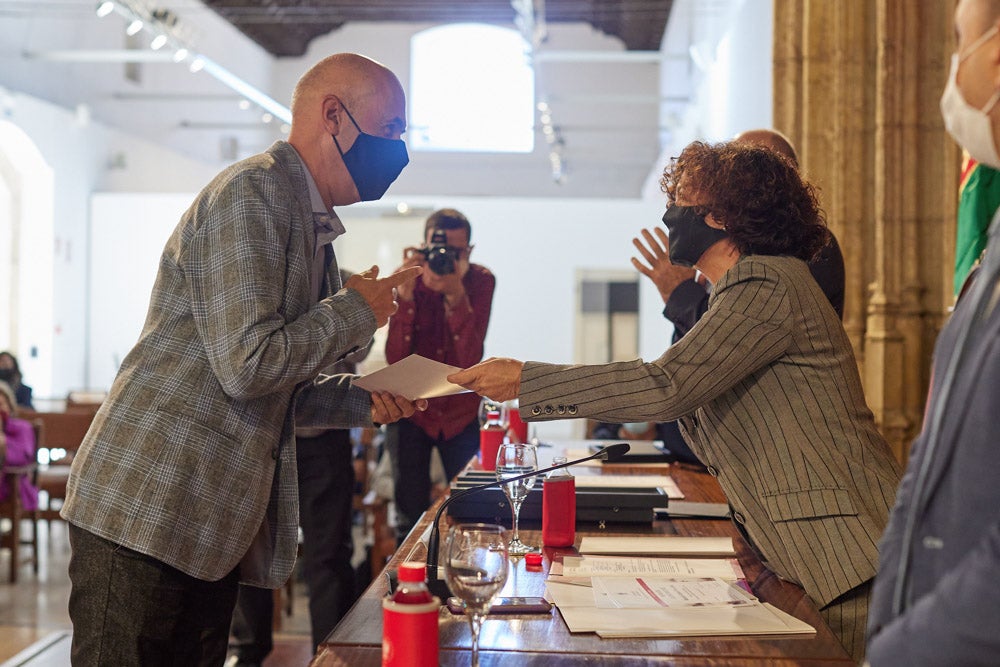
point(439, 586)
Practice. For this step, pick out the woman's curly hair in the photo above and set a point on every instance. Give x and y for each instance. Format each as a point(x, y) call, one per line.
point(756, 193)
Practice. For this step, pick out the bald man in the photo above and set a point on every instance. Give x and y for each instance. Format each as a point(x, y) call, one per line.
point(185, 485)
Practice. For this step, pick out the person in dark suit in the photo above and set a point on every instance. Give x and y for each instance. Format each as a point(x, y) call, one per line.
point(936, 600)
point(765, 385)
point(186, 483)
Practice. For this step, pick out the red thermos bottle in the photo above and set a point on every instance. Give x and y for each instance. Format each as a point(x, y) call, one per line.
point(559, 507)
point(410, 621)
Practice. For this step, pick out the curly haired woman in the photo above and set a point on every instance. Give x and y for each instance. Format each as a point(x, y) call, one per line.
point(765, 385)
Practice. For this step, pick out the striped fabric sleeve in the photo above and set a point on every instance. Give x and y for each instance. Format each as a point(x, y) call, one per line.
point(743, 331)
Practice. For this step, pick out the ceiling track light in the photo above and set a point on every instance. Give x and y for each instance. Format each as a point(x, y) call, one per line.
point(530, 21)
point(166, 30)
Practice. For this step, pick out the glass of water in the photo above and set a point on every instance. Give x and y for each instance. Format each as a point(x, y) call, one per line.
point(515, 459)
point(475, 568)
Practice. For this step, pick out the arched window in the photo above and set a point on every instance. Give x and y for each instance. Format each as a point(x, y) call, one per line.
point(471, 89)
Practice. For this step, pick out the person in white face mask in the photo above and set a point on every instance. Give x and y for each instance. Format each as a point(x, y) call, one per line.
point(935, 600)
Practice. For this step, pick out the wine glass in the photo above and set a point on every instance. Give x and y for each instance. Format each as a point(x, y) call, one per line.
point(515, 459)
point(475, 568)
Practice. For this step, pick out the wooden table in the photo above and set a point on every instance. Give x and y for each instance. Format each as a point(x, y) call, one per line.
point(545, 640)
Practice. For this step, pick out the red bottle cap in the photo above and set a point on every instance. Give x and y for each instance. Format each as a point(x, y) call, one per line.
point(533, 559)
point(413, 571)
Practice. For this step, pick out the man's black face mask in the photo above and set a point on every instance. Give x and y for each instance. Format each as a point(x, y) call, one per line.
point(373, 162)
point(689, 235)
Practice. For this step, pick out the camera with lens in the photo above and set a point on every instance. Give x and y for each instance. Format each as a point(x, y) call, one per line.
point(440, 256)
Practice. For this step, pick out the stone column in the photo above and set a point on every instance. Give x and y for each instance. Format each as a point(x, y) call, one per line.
point(856, 88)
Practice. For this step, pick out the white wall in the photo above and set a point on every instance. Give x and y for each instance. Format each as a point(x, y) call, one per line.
point(121, 281)
point(535, 248)
point(85, 159)
point(727, 88)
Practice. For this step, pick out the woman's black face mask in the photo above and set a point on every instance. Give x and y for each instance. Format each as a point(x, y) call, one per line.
point(689, 235)
point(373, 162)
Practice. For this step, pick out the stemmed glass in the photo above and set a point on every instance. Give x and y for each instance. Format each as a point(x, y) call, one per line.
point(515, 459)
point(475, 568)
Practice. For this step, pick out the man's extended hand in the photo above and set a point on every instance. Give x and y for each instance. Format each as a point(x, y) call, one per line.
point(411, 257)
point(498, 378)
point(380, 292)
point(388, 408)
point(665, 276)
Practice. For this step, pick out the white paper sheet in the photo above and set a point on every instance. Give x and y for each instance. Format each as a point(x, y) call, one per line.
point(668, 485)
point(662, 545)
point(614, 566)
point(658, 592)
point(761, 619)
point(413, 377)
point(574, 597)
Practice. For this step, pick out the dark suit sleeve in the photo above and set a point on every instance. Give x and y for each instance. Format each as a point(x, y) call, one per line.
point(828, 270)
point(959, 618)
point(687, 303)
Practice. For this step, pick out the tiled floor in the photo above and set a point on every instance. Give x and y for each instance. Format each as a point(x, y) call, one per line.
point(35, 608)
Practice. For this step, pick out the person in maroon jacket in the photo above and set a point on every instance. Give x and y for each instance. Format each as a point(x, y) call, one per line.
point(443, 316)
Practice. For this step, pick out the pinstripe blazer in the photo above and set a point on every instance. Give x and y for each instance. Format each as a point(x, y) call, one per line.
point(769, 397)
point(192, 456)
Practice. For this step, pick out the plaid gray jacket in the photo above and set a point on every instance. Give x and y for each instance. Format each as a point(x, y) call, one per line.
point(192, 456)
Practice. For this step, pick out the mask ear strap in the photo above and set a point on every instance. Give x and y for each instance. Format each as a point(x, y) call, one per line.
point(356, 126)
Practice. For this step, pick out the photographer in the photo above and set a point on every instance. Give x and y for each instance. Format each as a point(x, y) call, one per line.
point(443, 316)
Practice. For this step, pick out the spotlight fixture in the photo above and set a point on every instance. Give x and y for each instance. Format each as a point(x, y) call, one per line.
point(167, 32)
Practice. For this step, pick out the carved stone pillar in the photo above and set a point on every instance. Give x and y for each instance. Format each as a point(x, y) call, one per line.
point(856, 88)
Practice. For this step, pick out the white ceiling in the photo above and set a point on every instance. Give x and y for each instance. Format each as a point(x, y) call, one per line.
point(610, 110)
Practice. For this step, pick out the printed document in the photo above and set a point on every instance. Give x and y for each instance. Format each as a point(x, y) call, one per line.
point(612, 566)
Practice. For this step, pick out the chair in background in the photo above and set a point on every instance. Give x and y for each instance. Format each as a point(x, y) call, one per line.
point(62, 435)
point(379, 536)
point(13, 511)
point(85, 399)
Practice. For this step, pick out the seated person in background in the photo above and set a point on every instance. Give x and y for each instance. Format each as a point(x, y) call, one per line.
point(765, 385)
point(10, 373)
point(17, 446)
point(443, 316)
point(685, 294)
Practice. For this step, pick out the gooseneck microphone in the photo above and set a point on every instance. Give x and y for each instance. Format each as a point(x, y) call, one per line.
point(439, 587)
